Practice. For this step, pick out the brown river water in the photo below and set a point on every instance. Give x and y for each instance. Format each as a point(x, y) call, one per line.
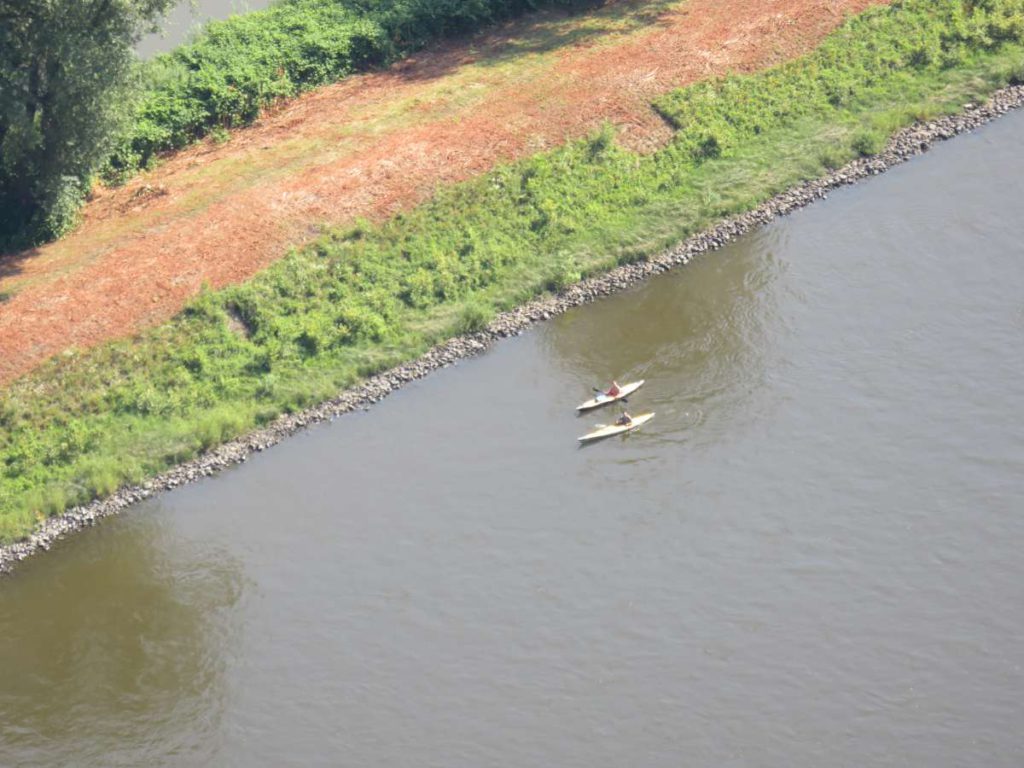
point(813, 556)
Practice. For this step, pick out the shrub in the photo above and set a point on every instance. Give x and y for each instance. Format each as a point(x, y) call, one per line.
point(833, 158)
point(866, 143)
point(218, 426)
point(565, 273)
point(474, 316)
point(223, 78)
point(236, 67)
point(602, 141)
point(100, 478)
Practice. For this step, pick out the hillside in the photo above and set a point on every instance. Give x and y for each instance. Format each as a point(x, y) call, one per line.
point(219, 212)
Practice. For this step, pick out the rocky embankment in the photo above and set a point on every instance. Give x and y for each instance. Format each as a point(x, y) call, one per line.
point(903, 146)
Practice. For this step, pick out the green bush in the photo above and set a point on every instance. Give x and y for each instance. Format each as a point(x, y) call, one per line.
point(473, 317)
point(100, 478)
point(868, 142)
point(219, 426)
point(66, 70)
point(236, 67)
point(1014, 75)
point(565, 273)
point(223, 78)
point(834, 157)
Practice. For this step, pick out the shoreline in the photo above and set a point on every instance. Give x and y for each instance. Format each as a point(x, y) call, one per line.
point(901, 147)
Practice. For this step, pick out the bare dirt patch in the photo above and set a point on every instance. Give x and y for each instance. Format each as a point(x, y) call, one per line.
point(374, 144)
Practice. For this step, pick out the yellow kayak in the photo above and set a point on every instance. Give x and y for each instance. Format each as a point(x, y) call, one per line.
point(604, 399)
point(610, 430)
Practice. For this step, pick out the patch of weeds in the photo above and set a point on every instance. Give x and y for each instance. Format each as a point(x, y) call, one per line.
point(219, 134)
point(566, 272)
point(833, 158)
point(866, 143)
point(473, 317)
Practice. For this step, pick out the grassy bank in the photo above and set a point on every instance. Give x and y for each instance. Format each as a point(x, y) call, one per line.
point(365, 298)
point(76, 117)
point(236, 67)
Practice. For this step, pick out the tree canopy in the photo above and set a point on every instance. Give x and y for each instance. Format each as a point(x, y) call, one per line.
point(65, 72)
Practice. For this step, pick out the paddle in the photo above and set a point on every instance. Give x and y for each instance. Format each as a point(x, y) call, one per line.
point(621, 400)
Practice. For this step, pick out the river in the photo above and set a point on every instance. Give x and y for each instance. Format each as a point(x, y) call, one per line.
point(811, 557)
point(187, 16)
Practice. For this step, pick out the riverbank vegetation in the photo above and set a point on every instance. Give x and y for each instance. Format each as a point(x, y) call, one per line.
point(362, 299)
point(65, 71)
point(95, 111)
point(237, 67)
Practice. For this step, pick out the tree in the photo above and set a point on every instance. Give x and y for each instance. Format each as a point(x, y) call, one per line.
point(65, 74)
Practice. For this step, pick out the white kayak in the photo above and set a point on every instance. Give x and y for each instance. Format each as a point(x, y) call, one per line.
point(604, 398)
point(610, 430)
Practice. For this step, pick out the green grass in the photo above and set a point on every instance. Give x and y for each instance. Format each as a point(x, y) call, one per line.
point(365, 298)
point(236, 67)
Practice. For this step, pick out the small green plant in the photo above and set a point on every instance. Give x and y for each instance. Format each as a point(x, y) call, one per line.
point(866, 143)
point(100, 477)
point(219, 134)
point(474, 316)
point(219, 426)
point(1014, 73)
point(834, 157)
point(602, 141)
point(565, 273)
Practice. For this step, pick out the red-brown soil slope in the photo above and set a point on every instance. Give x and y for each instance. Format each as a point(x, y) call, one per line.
point(217, 213)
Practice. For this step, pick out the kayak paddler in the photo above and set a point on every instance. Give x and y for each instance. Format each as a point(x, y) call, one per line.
point(624, 420)
point(614, 390)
